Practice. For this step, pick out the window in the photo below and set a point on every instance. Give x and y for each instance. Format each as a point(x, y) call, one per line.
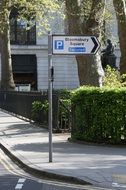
point(19, 34)
point(25, 70)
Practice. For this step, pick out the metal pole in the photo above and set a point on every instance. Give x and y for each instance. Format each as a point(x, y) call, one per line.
point(50, 93)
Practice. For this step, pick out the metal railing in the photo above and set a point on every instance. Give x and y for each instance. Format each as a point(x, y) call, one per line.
point(20, 103)
point(64, 116)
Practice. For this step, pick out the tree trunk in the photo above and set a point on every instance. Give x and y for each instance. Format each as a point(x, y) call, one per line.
point(7, 82)
point(120, 8)
point(90, 71)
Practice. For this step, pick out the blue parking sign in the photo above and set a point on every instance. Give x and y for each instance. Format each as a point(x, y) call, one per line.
point(74, 45)
point(59, 44)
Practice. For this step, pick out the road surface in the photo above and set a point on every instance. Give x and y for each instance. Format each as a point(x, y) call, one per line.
point(14, 178)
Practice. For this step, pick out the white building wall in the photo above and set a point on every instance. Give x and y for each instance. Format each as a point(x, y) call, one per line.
point(42, 70)
point(112, 29)
point(118, 54)
point(111, 23)
point(65, 67)
point(65, 72)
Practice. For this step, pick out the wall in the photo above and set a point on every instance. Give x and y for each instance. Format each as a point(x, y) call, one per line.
point(65, 67)
point(112, 29)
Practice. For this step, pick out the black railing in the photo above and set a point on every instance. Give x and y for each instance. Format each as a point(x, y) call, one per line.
point(20, 103)
point(64, 116)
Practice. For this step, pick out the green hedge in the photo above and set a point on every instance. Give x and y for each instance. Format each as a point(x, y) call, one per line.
point(99, 115)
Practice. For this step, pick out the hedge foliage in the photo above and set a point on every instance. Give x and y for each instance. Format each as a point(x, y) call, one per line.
point(99, 115)
point(113, 78)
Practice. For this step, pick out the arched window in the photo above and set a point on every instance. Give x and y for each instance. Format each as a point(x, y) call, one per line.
point(19, 32)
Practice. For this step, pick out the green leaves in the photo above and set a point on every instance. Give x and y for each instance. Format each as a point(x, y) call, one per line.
point(113, 78)
point(99, 114)
point(43, 9)
point(39, 110)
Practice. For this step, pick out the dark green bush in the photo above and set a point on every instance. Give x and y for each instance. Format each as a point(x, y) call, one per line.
point(61, 110)
point(63, 94)
point(40, 111)
point(99, 114)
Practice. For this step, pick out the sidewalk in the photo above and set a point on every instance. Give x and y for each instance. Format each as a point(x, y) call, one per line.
point(100, 166)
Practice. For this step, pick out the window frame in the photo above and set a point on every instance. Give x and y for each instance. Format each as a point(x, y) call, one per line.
point(28, 33)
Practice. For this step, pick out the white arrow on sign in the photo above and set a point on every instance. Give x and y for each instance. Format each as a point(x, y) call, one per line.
point(74, 44)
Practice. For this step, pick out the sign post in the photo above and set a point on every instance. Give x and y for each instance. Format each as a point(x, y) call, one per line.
point(63, 45)
point(50, 81)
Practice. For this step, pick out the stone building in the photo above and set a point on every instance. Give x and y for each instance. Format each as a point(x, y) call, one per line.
point(30, 56)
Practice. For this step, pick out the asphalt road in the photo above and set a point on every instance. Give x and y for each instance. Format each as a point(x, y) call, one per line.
point(14, 178)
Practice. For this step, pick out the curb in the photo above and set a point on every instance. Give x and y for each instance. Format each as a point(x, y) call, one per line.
point(41, 173)
point(96, 144)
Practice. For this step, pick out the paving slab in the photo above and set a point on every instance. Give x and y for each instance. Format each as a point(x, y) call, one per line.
point(102, 166)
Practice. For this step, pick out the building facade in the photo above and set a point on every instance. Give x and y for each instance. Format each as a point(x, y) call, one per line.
point(30, 56)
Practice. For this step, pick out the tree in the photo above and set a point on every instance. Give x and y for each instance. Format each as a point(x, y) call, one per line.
point(38, 9)
point(86, 18)
point(7, 81)
point(120, 8)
